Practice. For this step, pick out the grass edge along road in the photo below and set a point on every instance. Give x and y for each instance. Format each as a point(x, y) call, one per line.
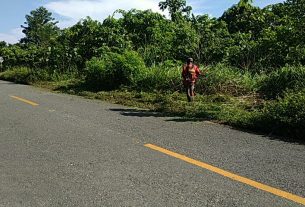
point(263, 187)
point(243, 113)
point(211, 168)
point(228, 96)
point(271, 118)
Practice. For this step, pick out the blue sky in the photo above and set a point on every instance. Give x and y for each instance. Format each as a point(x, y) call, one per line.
point(68, 12)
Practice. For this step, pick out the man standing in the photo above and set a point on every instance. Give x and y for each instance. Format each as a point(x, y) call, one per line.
point(190, 74)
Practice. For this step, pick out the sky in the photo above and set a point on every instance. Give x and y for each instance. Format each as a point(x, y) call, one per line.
point(68, 12)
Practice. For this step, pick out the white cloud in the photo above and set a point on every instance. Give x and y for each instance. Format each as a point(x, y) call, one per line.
point(74, 10)
point(263, 3)
point(200, 5)
point(12, 36)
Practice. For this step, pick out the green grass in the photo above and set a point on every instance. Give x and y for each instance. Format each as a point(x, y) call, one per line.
point(218, 107)
point(226, 96)
point(17, 75)
point(243, 112)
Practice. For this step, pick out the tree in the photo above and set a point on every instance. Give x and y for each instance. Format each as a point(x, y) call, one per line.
point(296, 11)
point(139, 26)
point(213, 39)
point(85, 37)
point(40, 27)
point(114, 35)
point(176, 8)
point(91, 38)
point(2, 44)
point(282, 39)
point(244, 17)
point(245, 2)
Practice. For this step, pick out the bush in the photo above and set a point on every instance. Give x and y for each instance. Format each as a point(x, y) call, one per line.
point(217, 79)
point(287, 115)
point(164, 77)
point(96, 73)
point(27, 75)
point(17, 75)
point(226, 80)
point(286, 78)
point(114, 70)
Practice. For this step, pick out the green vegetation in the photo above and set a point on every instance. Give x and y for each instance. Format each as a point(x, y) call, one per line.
point(253, 61)
point(279, 81)
point(287, 115)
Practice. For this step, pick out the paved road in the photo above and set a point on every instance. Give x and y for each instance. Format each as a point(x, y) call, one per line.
point(70, 151)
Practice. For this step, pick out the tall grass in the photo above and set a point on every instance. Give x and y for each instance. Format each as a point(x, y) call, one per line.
point(18, 75)
point(161, 78)
point(279, 81)
point(114, 70)
point(224, 93)
point(227, 80)
point(27, 75)
point(215, 79)
point(287, 114)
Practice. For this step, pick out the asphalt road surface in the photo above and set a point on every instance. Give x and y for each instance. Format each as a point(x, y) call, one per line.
point(63, 150)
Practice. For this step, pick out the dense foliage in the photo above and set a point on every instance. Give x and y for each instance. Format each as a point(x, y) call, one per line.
point(114, 70)
point(245, 36)
point(248, 51)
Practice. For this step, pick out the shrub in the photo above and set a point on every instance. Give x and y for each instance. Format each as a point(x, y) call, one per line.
point(227, 80)
point(286, 78)
point(18, 75)
point(96, 73)
point(287, 115)
point(164, 77)
point(218, 79)
point(59, 76)
point(114, 70)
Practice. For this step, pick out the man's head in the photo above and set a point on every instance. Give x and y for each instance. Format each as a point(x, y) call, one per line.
point(189, 61)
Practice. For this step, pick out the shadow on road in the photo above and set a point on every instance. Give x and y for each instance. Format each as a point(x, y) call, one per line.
point(272, 136)
point(4, 82)
point(138, 112)
point(176, 118)
point(76, 87)
point(149, 113)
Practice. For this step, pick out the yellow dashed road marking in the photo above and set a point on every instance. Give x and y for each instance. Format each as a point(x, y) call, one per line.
point(25, 101)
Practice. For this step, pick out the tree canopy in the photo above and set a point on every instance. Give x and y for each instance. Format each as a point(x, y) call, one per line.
point(40, 27)
point(245, 36)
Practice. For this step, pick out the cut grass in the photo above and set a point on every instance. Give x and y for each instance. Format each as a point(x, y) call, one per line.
point(243, 112)
point(236, 111)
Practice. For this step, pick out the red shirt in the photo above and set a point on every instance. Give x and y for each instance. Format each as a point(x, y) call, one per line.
point(190, 73)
